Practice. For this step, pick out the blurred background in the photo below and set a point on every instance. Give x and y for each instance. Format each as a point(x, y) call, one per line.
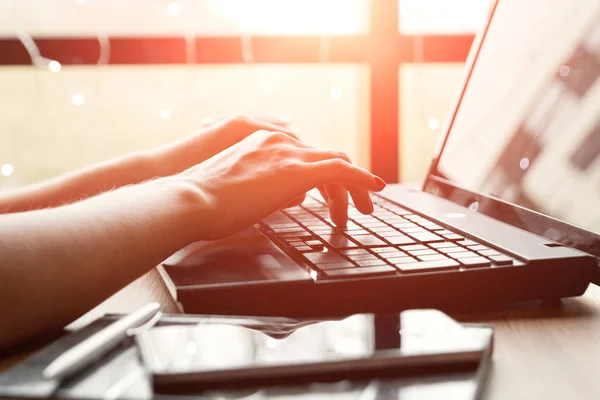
point(85, 80)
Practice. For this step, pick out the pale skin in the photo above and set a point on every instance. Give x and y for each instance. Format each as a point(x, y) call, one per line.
point(69, 243)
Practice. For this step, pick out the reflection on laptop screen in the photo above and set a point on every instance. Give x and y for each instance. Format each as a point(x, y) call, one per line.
point(528, 128)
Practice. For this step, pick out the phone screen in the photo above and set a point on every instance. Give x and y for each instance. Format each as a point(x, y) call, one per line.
point(222, 347)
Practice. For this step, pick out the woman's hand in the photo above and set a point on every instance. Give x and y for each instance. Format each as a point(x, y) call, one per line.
point(206, 143)
point(267, 170)
point(202, 145)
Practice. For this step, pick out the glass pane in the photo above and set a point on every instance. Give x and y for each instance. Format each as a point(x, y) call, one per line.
point(200, 17)
point(442, 16)
point(427, 94)
point(51, 123)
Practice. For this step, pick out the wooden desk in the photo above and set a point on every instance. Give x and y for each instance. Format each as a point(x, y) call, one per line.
point(546, 352)
point(541, 352)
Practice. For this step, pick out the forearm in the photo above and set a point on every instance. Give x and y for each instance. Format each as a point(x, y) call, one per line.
point(83, 183)
point(166, 160)
point(58, 263)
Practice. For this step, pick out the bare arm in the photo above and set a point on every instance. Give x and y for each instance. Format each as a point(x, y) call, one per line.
point(58, 263)
point(132, 168)
point(81, 184)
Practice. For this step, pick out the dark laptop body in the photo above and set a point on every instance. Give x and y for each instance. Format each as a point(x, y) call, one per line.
point(512, 190)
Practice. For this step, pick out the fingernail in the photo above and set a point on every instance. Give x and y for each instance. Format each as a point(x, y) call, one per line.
point(380, 183)
point(371, 208)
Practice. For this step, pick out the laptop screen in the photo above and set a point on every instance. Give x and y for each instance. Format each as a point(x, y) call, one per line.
point(527, 130)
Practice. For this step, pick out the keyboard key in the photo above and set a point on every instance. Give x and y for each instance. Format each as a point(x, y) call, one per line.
point(448, 250)
point(362, 257)
point(309, 219)
point(339, 241)
point(426, 237)
point(282, 226)
point(339, 265)
point(475, 262)
point(431, 226)
point(363, 219)
point(489, 252)
point(405, 225)
point(323, 232)
point(422, 252)
point(432, 257)
point(316, 245)
point(374, 224)
point(360, 271)
point(398, 239)
point(368, 240)
point(348, 229)
point(463, 254)
point(396, 253)
point(393, 219)
point(355, 252)
point(414, 247)
point(324, 257)
point(423, 266)
point(453, 236)
point(501, 260)
point(400, 260)
point(370, 263)
point(384, 231)
point(399, 211)
point(361, 232)
point(442, 244)
point(413, 230)
point(304, 249)
point(468, 242)
point(296, 228)
point(297, 234)
point(380, 250)
point(478, 247)
point(314, 226)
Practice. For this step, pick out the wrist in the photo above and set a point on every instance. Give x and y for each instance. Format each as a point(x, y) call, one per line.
point(188, 208)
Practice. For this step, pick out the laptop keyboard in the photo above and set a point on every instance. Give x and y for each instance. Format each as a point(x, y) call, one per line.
point(390, 241)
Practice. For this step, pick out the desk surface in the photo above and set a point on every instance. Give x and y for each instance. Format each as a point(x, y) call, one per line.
point(542, 352)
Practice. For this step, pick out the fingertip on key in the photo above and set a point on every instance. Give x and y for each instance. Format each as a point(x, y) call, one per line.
point(380, 183)
point(341, 224)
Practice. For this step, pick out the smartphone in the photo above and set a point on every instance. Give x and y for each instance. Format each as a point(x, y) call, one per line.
point(222, 355)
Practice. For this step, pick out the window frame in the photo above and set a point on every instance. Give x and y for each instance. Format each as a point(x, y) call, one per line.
point(384, 65)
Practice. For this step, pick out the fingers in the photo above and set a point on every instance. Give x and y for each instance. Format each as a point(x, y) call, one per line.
point(362, 200)
point(337, 200)
point(338, 171)
point(331, 172)
point(312, 154)
point(361, 197)
point(296, 202)
point(323, 192)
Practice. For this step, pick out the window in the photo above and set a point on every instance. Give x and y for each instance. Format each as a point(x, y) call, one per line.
point(59, 116)
point(442, 16)
point(53, 123)
point(52, 18)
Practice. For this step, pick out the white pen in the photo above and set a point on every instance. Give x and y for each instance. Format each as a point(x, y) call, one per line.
point(90, 349)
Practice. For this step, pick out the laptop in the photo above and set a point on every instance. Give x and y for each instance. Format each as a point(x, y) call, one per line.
point(509, 211)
